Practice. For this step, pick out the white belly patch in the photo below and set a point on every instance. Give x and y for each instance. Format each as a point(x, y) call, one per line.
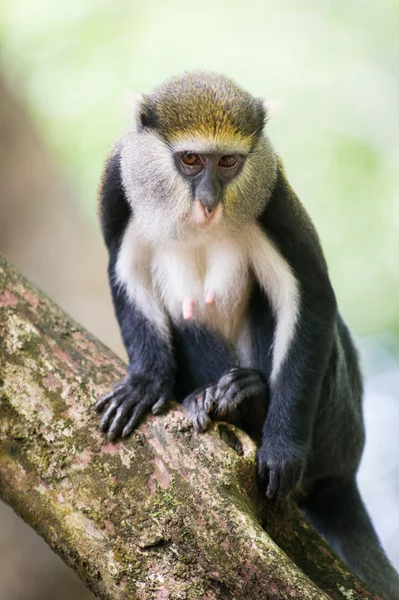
point(215, 276)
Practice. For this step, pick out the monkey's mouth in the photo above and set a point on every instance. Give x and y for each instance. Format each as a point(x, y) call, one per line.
point(201, 218)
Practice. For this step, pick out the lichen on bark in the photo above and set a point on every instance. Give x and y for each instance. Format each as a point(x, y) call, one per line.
point(166, 514)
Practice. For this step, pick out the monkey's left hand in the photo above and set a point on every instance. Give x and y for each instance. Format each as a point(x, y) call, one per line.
point(222, 399)
point(129, 401)
point(279, 467)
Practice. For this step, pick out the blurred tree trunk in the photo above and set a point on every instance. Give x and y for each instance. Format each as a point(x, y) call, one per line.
point(42, 230)
point(44, 234)
point(165, 514)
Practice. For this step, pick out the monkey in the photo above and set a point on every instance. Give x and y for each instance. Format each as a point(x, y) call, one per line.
point(224, 302)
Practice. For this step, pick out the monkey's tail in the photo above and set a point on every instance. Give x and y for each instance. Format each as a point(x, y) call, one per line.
point(336, 510)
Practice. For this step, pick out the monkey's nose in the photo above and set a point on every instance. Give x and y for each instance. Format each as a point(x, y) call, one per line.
point(208, 205)
point(203, 214)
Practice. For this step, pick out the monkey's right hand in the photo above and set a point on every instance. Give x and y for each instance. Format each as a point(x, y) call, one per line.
point(130, 400)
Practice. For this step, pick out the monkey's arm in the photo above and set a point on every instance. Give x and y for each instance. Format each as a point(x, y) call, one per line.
point(296, 381)
point(150, 376)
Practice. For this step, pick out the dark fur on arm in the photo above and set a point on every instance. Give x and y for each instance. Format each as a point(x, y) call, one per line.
point(294, 394)
point(150, 377)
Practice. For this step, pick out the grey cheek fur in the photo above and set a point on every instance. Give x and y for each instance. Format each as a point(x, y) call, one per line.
point(250, 191)
point(158, 195)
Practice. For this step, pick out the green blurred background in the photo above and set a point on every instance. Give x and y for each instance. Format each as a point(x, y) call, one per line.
point(66, 69)
point(333, 66)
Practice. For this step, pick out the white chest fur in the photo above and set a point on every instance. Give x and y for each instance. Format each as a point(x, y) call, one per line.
point(159, 279)
point(220, 267)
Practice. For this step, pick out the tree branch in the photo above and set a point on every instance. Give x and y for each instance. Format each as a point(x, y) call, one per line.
point(167, 513)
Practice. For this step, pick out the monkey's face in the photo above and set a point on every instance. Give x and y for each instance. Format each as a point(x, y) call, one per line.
point(197, 160)
point(208, 175)
point(185, 191)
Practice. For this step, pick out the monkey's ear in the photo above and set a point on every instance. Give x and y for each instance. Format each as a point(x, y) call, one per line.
point(145, 114)
point(271, 108)
point(140, 108)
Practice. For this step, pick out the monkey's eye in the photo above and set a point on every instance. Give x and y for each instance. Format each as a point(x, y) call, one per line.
point(191, 159)
point(227, 161)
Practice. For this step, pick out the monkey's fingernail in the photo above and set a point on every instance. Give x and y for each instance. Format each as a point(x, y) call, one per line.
point(188, 308)
point(210, 297)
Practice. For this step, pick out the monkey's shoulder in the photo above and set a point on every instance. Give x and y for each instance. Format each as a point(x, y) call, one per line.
point(287, 223)
point(113, 208)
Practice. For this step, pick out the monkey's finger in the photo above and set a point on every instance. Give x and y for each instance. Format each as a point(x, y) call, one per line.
point(137, 415)
point(209, 400)
point(100, 404)
point(189, 407)
point(160, 405)
point(197, 416)
point(241, 377)
point(289, 481)
point(285, 485)
point(119, 420)
point(201, 421)
point(252, 387)
point(231, 400)
point(238, 380)
point(108, 415)
point(273, 483)
point(262, 472)
point(239, 388)
point(228, 378)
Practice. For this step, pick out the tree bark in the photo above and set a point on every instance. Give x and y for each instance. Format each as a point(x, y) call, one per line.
point(166, 514)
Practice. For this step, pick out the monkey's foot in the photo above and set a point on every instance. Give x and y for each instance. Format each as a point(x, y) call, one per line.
point(129, 401)
point(222, 399)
